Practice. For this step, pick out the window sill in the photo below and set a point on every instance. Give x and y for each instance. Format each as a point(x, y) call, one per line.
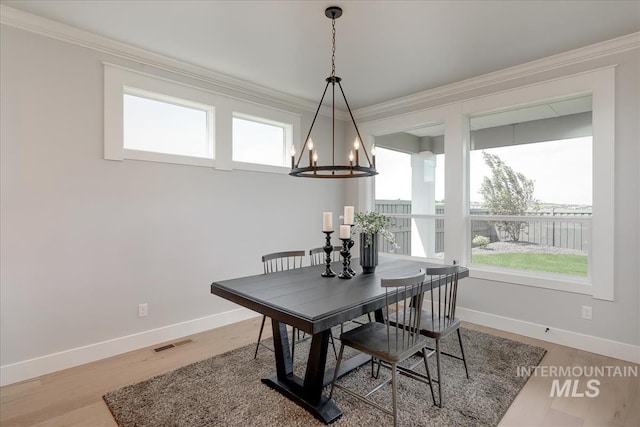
point(255, 167)
point(412, 258)
point(538, 280)
point(150, 156)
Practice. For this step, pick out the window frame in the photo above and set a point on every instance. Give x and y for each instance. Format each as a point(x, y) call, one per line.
point(220, 110)
point(412, 216)
point(600, 83)
point(271, 116)
point(119, 82)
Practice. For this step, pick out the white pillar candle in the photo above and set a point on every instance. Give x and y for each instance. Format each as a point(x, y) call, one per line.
point(348, 215)
point(327, 221)
point(345, 231)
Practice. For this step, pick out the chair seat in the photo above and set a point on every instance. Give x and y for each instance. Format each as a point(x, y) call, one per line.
point(431, 326)
point(437, 327)
point(371, 338)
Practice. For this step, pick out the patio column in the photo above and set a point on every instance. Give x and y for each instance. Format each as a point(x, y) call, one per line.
point(423, 190)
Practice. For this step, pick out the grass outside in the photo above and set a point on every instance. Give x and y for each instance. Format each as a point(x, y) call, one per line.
point(575, 265)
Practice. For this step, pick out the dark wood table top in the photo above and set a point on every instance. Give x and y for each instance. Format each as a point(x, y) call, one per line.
point(304, 299)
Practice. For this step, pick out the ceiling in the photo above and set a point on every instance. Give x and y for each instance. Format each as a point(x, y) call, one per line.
point(385, 49)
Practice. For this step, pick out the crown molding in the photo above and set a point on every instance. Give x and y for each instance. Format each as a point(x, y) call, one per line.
point(56, 30)
point(66, 33)
point(576, 56)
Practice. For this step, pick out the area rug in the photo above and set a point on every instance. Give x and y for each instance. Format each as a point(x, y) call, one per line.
point(226, 390)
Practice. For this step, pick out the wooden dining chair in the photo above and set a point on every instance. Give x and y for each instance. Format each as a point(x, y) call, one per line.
point(391, 343)
point(274, 262)
point(317, 256)
point(438, 319)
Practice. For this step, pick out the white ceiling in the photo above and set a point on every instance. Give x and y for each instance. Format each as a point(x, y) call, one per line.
point(385, 49)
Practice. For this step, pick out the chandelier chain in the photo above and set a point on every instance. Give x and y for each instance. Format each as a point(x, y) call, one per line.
point(333, 50)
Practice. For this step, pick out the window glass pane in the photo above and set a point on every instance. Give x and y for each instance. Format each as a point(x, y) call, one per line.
point(257, 142)
point(162, 127)
point(559, 247)
point(410, 181)
point(533, 161)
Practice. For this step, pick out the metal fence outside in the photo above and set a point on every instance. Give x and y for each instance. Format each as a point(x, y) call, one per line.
point(560, 234)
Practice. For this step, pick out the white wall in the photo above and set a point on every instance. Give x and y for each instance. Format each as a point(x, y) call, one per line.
point(85, 240)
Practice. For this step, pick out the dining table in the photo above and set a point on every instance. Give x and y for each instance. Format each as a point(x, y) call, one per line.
point(304, 299)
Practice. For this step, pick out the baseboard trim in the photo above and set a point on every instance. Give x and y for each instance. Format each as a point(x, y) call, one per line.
point(21, 371)
point(32, 368)
point(615, 349)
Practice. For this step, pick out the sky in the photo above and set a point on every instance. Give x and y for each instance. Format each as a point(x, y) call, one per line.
point(561, 171)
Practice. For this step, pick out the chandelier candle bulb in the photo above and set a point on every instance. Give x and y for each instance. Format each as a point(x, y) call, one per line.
point(345, 231)
point(310, 147)
point(348, 215)
point(293, 156)
point(373, 155)
point(356, 146)
point(327, 221)
point(315, 158)
point(351, 158)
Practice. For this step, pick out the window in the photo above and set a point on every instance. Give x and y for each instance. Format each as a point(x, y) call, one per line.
point(260, 141)
point(154, 119)
point(563, 133)
point(409, 188)
point(160, 120)
point(531, 178)
point(165, 127)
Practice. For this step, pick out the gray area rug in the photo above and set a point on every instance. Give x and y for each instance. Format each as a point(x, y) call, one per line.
point(226, 390)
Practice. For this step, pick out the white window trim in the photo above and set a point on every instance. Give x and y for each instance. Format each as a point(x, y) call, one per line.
point(273, 116)
point(119, 81)
point(601, 84)
point(220, 110)
point(414, 120)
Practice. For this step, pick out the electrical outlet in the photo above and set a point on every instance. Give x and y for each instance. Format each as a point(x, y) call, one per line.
point(143, 310)
point(587, 312)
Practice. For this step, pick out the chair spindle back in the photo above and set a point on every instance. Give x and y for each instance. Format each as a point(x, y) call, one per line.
point(317, 255)
point(280, 261)
point(403, 296)
point(444, 294)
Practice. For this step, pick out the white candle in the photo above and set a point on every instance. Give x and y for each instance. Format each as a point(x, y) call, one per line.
point(356, 146)
point(327, 221)
point(348, 215)
point(345, 231)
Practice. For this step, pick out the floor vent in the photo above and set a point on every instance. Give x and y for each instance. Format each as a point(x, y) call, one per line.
point(175, 344)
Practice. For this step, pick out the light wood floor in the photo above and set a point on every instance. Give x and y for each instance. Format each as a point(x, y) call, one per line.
point(74, 397)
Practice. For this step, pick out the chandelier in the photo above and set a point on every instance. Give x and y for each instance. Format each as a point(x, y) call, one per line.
point(354, 169)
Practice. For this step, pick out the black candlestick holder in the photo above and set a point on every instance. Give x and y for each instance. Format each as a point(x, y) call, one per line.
point(349, 246)
point(345, 259)
point(328, 248)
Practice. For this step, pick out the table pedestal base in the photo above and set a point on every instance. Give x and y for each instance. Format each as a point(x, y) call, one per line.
point(326, 411)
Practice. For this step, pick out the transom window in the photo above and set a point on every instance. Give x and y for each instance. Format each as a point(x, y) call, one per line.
point(260, 141)
point(160, 120)
point(163, 126)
